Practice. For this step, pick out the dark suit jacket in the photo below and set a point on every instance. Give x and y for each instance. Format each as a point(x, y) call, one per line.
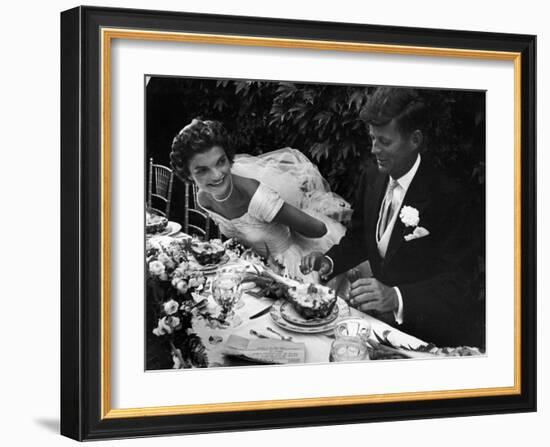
point(431, 272)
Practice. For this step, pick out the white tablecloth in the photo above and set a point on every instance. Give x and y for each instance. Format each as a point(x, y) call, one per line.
point(317, 345)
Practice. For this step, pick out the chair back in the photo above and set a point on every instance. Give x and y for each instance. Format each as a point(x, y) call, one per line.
point(161, 179)
point(196, 221)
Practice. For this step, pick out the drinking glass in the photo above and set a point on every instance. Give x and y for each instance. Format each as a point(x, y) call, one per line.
point(226, 291)
point(348, 349)
point(237, 269)
point(352, 275)
point(350, 344)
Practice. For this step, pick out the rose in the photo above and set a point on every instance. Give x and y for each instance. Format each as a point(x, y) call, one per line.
point(170, 307)
point(167, 325)
point(409, 216)
point(182, 287)
point(165, 259)
point(173, 322)
point(156, 268)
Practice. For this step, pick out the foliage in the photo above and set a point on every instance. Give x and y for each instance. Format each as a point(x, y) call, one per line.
point(321, 120)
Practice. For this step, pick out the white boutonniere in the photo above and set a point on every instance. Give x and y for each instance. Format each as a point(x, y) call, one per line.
point(411, 218)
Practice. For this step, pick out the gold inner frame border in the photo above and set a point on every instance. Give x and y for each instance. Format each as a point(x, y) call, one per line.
point(107, 35)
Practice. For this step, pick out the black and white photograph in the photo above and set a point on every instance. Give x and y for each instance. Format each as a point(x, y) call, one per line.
point(285, 223)
point(303, 223)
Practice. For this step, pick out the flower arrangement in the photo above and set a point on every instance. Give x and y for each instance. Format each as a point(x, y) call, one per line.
point(186, 277)
point(171, 279)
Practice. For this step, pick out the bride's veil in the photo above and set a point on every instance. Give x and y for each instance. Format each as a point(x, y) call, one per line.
point(295, 178)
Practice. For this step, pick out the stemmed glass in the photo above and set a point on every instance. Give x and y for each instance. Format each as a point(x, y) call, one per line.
point(226, 291)
point(239, 270)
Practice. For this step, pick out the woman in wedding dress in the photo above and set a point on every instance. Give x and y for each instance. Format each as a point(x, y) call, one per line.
point(277, 200)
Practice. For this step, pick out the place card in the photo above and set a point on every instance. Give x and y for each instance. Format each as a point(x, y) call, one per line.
point(265, 350)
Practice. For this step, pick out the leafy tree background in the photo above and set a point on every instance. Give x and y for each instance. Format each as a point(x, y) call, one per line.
point(321, 120)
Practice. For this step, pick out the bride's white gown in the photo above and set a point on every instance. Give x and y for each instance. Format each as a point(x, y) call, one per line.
point(285, 175)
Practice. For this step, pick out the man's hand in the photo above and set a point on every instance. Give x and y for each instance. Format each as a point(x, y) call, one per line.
point(315, 261)
point(368, 294)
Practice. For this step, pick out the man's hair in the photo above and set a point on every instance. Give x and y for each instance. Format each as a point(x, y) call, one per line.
point(197, 137)
point(405, 105)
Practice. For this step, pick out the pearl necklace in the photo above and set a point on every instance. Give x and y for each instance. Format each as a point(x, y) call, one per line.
point(228, 195)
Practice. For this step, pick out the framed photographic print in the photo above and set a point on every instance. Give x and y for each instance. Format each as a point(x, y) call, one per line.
point(273, 223)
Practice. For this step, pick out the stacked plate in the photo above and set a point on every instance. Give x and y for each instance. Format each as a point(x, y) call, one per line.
point(284, 315)
point(212, 268)
point(171, 229)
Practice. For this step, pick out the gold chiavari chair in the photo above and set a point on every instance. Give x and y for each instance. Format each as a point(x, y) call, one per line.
point(161, 179)
point(196, 221)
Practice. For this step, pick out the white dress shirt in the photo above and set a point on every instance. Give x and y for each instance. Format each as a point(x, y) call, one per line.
point(399, 192)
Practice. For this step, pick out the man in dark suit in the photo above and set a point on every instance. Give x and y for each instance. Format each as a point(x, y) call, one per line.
point(412, 225)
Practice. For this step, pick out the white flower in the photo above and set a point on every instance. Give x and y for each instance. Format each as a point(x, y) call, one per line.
point(156, 268)
point(162, 328)
point(167, 325)
point(409, 216)
point(165, 259)
point(182, 286)
point(170, 307)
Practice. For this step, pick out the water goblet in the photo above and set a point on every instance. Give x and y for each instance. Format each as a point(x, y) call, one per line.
point(226, 291)
point(237, 269)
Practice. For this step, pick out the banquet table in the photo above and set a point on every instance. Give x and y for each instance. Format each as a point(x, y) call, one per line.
point(317, 346)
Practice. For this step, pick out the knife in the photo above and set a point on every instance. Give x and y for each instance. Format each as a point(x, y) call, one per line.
point(261, 312)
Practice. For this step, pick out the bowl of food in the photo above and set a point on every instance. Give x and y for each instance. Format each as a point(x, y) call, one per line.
point(312, 301)
point(207, 253)
point(155, 223)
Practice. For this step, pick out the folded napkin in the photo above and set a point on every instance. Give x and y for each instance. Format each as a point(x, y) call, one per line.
point(265, 350)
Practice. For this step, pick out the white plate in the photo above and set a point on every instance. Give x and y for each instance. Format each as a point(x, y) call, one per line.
point(171, 229)
point(209, 268)
point(324, 325)
point(289, 313)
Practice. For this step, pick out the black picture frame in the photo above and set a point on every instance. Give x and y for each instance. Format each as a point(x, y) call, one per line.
point(83, 405)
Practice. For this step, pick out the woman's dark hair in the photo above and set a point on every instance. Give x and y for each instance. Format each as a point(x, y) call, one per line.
point(197, 137)
point(405, 105)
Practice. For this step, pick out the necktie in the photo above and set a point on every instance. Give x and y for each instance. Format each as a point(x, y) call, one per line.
point(388, 208)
